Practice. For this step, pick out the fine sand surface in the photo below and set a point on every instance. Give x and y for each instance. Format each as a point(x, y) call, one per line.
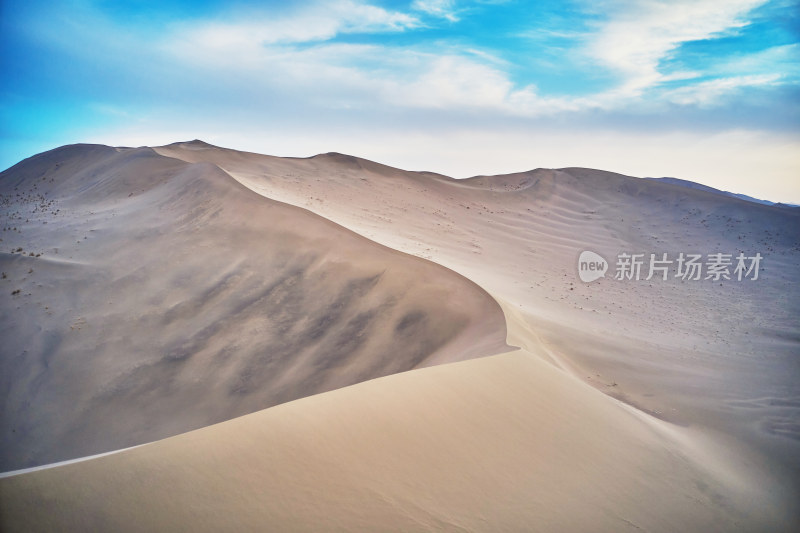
point(168, 297)
point(722, 355)
point(507, 443)
point(633, 405)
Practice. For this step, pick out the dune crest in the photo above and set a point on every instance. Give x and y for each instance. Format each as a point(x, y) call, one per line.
point(167, 297)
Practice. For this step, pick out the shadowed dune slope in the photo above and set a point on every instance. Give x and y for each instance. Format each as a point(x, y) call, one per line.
point(143, 296)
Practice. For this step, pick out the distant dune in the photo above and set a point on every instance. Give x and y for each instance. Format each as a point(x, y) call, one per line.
point(182, 286)
point(698, 186)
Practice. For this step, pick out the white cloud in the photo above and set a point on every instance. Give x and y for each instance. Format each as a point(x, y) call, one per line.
point(438, 8)
point(781, 58)
point(295, 53)
point(451, 81)
point(317, 22)
point(337, 75)
point(711, 93)
point(638, 35)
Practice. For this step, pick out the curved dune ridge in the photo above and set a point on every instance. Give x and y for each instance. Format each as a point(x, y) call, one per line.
point(168, 297)
point(177, 289)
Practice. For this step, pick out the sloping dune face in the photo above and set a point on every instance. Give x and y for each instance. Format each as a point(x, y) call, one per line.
point(144, 296)
point(506, 443)
point(720, 354)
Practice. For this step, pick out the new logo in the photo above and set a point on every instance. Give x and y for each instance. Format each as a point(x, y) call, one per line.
point(591, 266)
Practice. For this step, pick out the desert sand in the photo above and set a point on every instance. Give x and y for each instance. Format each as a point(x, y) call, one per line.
point(168, 297)
point(185, 285)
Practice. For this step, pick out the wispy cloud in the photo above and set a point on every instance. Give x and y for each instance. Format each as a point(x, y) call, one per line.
point(639, 35)
point(439, 8)
point(711, 93)
point(298, 52)
point(451, 81)
point(782, 58)
point(317, 22)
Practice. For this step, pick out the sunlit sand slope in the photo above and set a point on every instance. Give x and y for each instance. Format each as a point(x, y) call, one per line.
point(506, 443)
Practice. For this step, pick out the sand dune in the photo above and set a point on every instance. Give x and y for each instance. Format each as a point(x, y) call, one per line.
point(651, 405)
point(718, 355)
point(168, 297)
point(506, 443)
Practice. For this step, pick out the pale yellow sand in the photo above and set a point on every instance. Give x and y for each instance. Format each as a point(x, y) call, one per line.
point(506, 443)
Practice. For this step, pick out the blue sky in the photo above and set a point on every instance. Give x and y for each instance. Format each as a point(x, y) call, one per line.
point(706, 90)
